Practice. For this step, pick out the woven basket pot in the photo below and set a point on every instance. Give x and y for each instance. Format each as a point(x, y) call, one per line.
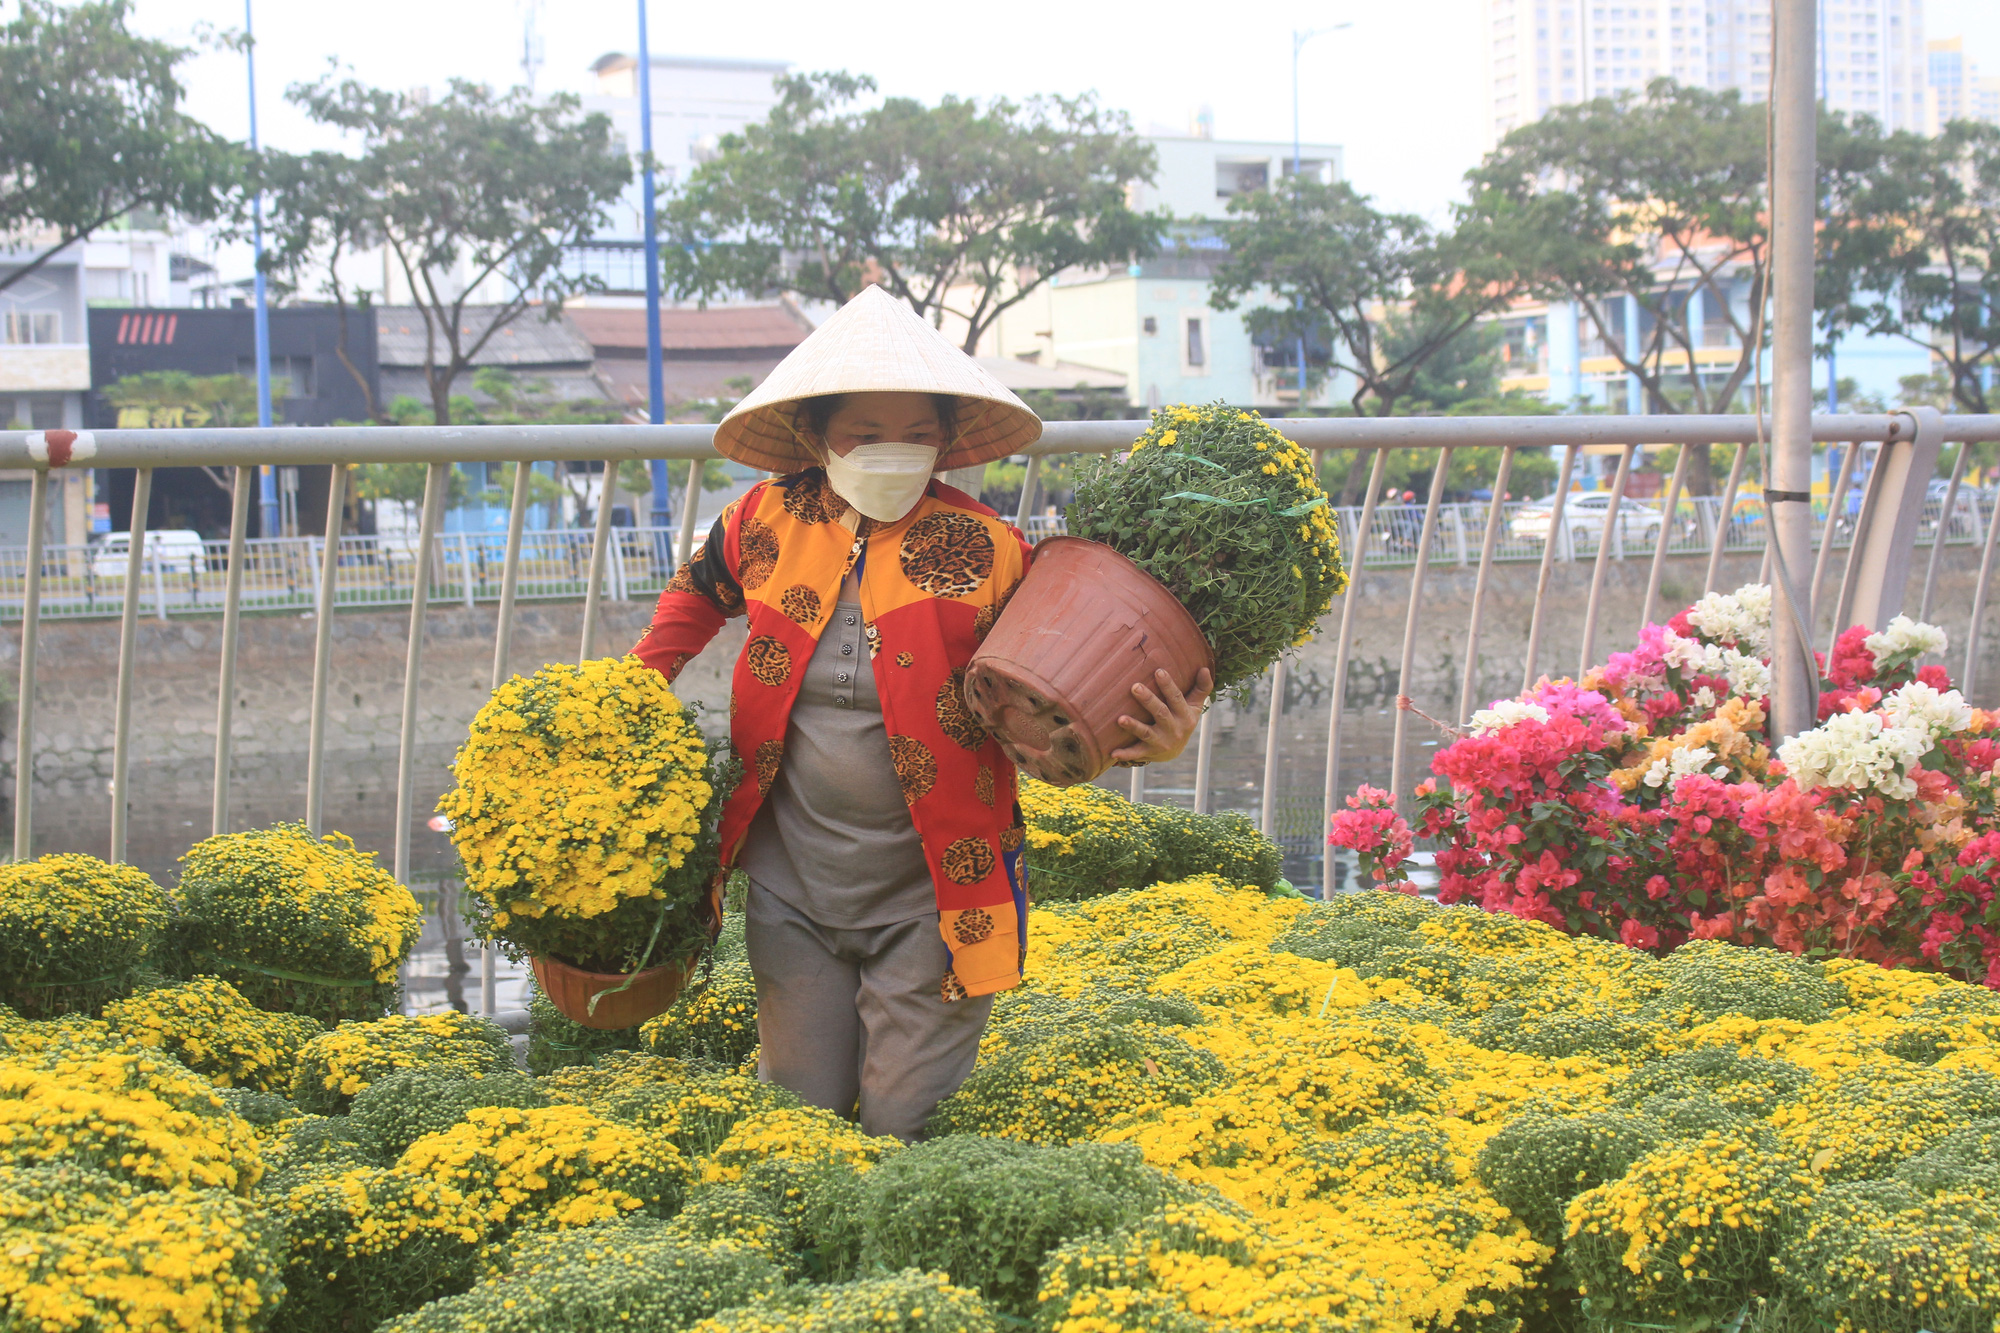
point(1058, 668)
point(569, 989)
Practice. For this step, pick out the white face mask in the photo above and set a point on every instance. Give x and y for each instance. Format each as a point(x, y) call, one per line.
point(883, 481)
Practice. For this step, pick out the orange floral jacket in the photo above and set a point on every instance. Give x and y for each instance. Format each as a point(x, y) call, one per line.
point(932, 584)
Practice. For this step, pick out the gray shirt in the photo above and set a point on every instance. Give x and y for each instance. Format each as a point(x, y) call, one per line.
point(834, 839)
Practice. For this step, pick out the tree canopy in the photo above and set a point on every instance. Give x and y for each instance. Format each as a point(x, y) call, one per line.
point(1910, 246)
point(92, 131)
point(1658, 196)
point(960, 209)
point(465, 189)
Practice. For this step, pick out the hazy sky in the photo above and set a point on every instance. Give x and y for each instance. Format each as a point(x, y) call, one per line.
point(1400, 89)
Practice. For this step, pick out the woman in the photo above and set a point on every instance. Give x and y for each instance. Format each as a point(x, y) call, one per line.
point(876, 821)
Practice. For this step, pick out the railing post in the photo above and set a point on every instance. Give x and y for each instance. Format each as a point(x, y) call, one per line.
point(465, 567)
point(24, 709)
point(1669, 516)
point(1556, 525)
point(1494, 518)
point(435, 488)
point(1409, 658)
point(225, 684)
point(690, 507)
point(1267, 802)
point(128, 638)
point(1603, 548)
point(329, 573)
point(1357, 561)
point(1836, 505)
point(1204, 759)
point(1881, 552)
point(1943, 531)
point(1725, 519)
point(593, 591)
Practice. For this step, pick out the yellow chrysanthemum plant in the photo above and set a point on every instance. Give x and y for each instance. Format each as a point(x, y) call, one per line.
point(73, 931)
point(1225, 512)
point(585, 814)
point(296, 923)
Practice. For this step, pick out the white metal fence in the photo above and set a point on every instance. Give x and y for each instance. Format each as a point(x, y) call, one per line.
point(1883, 519)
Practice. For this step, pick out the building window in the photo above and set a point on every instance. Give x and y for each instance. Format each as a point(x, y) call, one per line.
point(294, 372)
point(1197, 344)
point(33, 326)
point(1150, 324)
point(45, 412)
point(1234, 178)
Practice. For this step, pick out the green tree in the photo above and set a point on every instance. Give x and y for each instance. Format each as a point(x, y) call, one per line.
point(467, 191)
point(1387, 294)
point(92, 131)
point(961, 209)
point(1910, 246)
point(1657, 196)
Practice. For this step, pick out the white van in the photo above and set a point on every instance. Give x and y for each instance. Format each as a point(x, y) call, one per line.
point(174, 550)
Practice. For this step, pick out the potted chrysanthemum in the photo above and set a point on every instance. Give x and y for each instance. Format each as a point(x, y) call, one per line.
point(1210, 544)
point(585, 815)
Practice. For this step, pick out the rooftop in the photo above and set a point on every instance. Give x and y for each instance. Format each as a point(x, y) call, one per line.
point(728, 331)
point(529, 340)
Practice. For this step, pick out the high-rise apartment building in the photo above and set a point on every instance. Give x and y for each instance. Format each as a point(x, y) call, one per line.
point(1958, 91)
point(1545, 53)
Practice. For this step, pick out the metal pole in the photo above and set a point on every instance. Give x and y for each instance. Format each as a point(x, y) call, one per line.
point(1668, 516)
point(128, 639)
point(1604, 541)
point(592, 594)
point(1267, 805)
point(656, 393)
point(1204, 760)
point(1724, 523)
point(261, 315)
point(1026, 503)
point(1965, 681)
point(1495, 513)
point(1836, 504)
point(510, 575)
point(1330, 796)
point(1943, 529)
point(329, 572)
point(1138, 783)
point(435, 488)
point(24, 712)
point(1793, 204)
point(465, 569)
point(1556, 529)
point(1409, 659)
point(690, 503)
point(225, 683)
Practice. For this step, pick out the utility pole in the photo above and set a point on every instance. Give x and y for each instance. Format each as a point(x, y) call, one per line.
point(656, 390)
point(1787, 494)
point(1299, 39)
point(267, 475)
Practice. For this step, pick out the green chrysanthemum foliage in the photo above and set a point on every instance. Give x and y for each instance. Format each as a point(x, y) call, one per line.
point(297, 923)
point(359, 1252)
point(333, 1068)
point(1227, 846)
point(305, 1145)
point(1353, 929)
point(1537, 1163)
point(907, 1302)
point(1600, 1031)
point(715, 1019)
point(615, 1073)
point(634, 1274)
point(1069, 1083)
point(1410, 1158)
point(697, 1116)
point(207, 1025)
point(410, 1103)
point(262, 1109)
point(1887, 1257)
point(1965, 1161)
point(1024, 1017)
point(985, 1211)
point(1867, 1123)
point(742, 1216)
point(556, 1042)
point(1747, 1084)
point(1689, 1231)
point(1225, 511)
point(73, 929)
point(1707, 979)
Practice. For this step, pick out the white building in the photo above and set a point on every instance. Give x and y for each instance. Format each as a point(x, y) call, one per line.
point(1958, 91)
point(1547, 53)
point(696, 101)
point(1150, 323)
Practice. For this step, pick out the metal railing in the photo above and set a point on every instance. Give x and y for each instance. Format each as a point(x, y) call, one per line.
point(1882, 527)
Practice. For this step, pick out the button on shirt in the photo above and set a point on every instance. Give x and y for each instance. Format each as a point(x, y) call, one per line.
point(834, 839)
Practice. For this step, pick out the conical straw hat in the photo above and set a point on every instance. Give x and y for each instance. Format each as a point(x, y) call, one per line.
point(874, 344)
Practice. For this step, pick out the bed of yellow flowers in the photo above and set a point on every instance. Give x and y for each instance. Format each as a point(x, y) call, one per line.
point(1210, 1108)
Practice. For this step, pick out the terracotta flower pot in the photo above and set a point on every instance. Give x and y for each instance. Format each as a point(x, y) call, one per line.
point(1057, 670)
point(569, 989)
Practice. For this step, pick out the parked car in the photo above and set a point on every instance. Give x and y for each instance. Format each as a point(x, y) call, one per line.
point(174, 550)
point(1584, 514)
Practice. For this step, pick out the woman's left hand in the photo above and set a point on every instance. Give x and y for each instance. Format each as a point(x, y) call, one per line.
point(1173, 718)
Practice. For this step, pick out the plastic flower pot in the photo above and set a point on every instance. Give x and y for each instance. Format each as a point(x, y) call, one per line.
point(570, 990)
point(1057, 670)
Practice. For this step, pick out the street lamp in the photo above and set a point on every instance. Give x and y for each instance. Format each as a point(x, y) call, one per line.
point(1299, 38)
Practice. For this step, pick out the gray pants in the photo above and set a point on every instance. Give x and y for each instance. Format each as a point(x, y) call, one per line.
point(855, 1017)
